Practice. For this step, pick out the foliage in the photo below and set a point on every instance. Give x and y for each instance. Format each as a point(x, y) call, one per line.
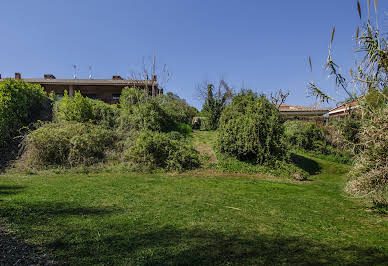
point(67, 144)
point(370, 174)
point(251, 129)
point(369, 83)
point(278, 168)
point(317, 139)
point(160, 150)
point(214, 104)
point(184, 129)
point(130, 97)
point(177, 108)
point(21, 103)
point(82, 109)
point(146, 116)
point(350, 127)
point(303, 135)
point(104, 114)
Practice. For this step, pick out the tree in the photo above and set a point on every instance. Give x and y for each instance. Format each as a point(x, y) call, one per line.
point(214, 104)
point(151, 70)
point(279, 97)
point(251, 129)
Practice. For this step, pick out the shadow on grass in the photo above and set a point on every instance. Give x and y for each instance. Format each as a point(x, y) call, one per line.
point(310, 166)
point(173, 246)
point(100, 238)
point(10, 190)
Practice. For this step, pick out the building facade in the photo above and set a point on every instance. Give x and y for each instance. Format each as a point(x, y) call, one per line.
point(107, 90)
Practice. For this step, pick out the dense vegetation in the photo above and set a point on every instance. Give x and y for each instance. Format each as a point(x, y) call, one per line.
point(21, 103)
point(250, 129)
point(328, 141)
point(139, 132)
point(367, 85)
point(67, 144)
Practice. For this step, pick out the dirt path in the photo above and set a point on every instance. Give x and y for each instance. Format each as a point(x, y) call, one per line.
point(203, 142)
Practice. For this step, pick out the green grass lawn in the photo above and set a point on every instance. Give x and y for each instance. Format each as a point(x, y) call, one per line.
point(194, 218)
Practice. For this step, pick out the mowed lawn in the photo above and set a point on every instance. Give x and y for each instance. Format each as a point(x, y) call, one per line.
point(194, 218)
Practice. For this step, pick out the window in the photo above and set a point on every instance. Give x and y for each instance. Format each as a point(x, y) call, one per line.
point(91, 96)
point(59, 96)
point(116, 96)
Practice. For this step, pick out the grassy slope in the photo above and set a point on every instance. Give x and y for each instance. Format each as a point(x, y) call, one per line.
point(195, 218)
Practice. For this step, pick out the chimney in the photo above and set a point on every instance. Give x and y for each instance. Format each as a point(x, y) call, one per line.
point(18, 75)
point(154, 78)
point(49, 76)
point(117, 78)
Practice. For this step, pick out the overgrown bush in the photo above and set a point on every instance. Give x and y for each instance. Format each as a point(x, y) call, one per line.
point(177, 108)
point(20, 104)
point(139, 112)
point(82, 109)
point(370, 173)
point(104, 114)
point(160, 150)
point(67, 144)
point(344, 133)
point(317, 139)
point(250, 129)
point(303, 135)
point(146, 116)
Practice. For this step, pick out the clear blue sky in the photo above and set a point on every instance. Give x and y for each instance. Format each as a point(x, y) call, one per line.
point(263, 45)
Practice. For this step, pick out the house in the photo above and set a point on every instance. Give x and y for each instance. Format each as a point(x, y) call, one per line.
point(107, 90)
point(288, 111)
point(343, 109)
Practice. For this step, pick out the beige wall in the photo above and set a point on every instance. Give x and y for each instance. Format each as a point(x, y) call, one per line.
point(102, 92)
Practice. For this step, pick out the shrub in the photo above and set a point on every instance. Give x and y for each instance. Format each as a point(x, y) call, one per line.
point(177, 108)
point(130, 97)
point(251, 129)
point(104, 114)
point(146, 116)
point(370, 173)
point(82, 109)
point(67, 144)
point(159, 150)
point(319, 140)
point(303, 135)
point(20, 104)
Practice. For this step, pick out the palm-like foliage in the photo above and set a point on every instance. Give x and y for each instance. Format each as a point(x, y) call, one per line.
point(369, 175)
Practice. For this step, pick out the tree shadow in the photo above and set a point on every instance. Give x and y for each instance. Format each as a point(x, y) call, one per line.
point(122, 241)
point(10, 190)
point(310, 166)
point(172, 246)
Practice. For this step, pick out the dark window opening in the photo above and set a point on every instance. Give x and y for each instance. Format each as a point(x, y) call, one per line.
point(91, 96)
point(116, 96)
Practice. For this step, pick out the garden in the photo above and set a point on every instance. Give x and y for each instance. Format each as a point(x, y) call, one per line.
point(152, 180)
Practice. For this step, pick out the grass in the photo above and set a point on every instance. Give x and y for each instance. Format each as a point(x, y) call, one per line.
point(116, 218)
point(205, 141)
point(199, 217)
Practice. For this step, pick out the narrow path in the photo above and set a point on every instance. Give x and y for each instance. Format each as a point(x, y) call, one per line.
point(203, 143)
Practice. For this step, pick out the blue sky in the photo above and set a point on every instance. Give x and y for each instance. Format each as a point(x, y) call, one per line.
point(262, 45)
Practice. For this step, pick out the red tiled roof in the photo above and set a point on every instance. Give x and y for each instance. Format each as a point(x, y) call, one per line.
point(299, 108)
